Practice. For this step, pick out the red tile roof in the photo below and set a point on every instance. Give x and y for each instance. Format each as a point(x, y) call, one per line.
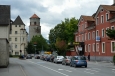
point(34, 16)
point(108, 7)
point(88, 18)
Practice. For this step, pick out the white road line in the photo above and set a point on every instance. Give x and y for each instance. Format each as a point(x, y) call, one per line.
point(68, 70)
point(92, 70)
point(88, 72)
point(50, 69)
point(23, 71)
point(113, 69)
point(96, 68)
point(60, 69)
point(72, 68)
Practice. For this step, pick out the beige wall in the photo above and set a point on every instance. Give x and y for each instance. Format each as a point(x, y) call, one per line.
point(21, 39)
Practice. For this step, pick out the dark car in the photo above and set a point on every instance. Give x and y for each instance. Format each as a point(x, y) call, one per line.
point(28, 57)
point(66, 60)
point(78, 61)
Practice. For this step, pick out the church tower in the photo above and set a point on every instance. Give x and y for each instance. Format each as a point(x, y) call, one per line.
point(34, 28)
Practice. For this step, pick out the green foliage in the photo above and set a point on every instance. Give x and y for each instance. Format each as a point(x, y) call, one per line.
point(110, 33)
point(41, 44)
point(63, 31)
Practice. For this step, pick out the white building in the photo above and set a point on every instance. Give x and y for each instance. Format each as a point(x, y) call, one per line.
point(18, 37)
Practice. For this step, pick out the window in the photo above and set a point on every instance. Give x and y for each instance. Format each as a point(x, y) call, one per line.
point(97, 33)
point(103, 47)
point(15, 39)
point(85, 36)
point(93, 35)
point(23, 32)
point(15, 25)
point(9, 39)
point(19, 25)
point(10, 31)
point(103, 33)
point(15, 46)
point(102, 19)
point(34, 23)
point(89, 36)
point(97, 21)
point(16, 32)
point(97, 47)
point(107, 29)
point(93, 46)
point(89, 48)
point(112, 46)
point(107, 16)
point(85, 48)
point(16, 53)
point(23, 38)
point(112, 27)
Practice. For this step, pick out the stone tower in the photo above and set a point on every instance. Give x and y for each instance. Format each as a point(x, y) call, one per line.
point(34, 28)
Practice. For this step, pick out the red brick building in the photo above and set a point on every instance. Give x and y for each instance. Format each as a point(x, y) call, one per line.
point(92, 32)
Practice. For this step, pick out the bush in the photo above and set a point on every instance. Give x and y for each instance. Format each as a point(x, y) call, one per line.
point(10, 55)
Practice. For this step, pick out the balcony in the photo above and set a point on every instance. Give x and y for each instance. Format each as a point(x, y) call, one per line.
point(112, 19)
point(90, 27)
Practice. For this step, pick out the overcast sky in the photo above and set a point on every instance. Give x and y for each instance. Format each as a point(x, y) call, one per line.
point(52, 12)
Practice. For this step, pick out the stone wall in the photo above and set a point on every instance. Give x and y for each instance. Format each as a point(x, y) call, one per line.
point(4, 52)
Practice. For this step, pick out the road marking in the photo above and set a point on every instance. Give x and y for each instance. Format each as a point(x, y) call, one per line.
point(113, 69)
point(96, 68)
point(60, 69)
point(50, 69)
point(92, 70)
point(68, 70)
point(23, 71)
point(88, 72)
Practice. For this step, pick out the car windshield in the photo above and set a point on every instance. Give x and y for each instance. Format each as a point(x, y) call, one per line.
point(81, 58)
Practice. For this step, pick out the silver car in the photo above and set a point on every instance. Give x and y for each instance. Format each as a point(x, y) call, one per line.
point(58, 59)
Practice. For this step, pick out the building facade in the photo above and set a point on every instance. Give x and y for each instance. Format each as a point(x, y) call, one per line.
point(92, 31)
point(4, 34)
point(18, 37)
point(34, 28)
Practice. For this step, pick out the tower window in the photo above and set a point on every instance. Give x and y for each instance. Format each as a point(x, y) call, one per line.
point(34, 23)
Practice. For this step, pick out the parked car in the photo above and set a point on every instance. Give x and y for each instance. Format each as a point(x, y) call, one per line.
point(37, 56)
point(28, 57)
point(58, 59)
point(78, 61)
point(66, 60)
point(48, 58)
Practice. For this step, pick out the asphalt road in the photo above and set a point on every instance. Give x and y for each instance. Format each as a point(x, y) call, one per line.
point(36, 67)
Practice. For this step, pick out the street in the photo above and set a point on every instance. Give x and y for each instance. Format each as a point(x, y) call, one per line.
point(36, 67)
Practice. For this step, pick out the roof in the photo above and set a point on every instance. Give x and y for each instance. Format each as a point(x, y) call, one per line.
point(88, 18)
point(34, 16)
point(108, 7)
point(18, 21)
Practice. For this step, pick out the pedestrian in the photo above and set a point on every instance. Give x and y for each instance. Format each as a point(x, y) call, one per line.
point(88, 57)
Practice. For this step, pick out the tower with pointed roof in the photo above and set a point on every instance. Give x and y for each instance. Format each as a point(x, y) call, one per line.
point(34, 28)
point(18, 37)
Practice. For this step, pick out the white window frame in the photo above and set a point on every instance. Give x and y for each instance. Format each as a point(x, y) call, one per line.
point(89, 48)
point(97, 20)
point(111, 47)
point(93, 46)
point(97, 47)
point(103, 51)
point(106, 29)
point(103, 33)
point(85, 36)
point(96, 32)
point(107, 17)
point(102, 19)
point(89, 34)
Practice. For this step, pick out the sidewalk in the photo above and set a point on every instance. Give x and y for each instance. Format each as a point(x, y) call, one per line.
point(102, 63)
point(13, 69)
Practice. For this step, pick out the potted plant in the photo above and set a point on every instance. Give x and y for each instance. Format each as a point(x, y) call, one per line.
point(114, 59)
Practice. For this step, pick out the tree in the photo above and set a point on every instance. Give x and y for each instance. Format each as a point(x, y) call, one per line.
point(111, 33)
point(61, 45)
point(41, 44)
